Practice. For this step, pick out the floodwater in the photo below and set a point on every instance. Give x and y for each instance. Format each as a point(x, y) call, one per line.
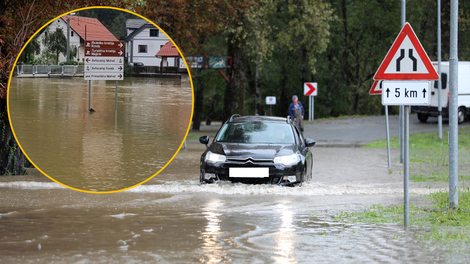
point(106, 150)
point(173, 219)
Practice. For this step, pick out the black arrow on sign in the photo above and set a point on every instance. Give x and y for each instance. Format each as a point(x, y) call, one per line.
point(388, 91)
point(424, 93)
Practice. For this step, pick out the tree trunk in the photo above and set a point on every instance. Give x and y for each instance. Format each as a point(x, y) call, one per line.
point(257, 87)
point(198, 100)
point(234, 101)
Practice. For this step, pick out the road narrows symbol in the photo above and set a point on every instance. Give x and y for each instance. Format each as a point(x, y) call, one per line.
point(402, 55)
point(410, 55)
point(415, 61)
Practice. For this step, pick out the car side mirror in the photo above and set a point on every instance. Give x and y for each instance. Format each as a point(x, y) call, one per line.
point(204, 140)
point(309, 142)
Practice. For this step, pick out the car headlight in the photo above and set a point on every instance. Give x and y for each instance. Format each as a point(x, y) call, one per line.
point(287, 160)
point(212, 157)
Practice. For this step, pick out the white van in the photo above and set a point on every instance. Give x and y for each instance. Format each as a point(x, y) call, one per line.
point(424, 112)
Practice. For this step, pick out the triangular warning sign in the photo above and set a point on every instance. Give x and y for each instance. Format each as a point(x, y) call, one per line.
point(376, 88)
point(406, 59)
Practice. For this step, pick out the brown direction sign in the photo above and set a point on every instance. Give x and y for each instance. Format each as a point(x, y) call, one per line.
point(104, 60)
point(104, 48)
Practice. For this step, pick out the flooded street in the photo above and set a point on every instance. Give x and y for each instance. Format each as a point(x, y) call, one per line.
point(106, 150)
point(174, 219)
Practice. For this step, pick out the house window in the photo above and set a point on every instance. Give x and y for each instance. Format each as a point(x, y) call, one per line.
point(71, 33)
point(154, 32)
point(142, 48)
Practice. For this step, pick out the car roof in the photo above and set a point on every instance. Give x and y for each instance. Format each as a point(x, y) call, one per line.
point(240, 119)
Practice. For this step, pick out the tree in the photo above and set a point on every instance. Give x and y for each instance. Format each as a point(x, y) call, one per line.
point(56, 43)
point(33, 48)
point(191, 24)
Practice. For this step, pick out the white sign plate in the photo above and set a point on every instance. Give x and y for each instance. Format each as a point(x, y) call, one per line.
point(104, 68)
point(406, 93)
point(270, 100)
point(103, 76)
point(103, 60)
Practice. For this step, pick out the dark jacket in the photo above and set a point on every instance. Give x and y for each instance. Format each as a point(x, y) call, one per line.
point(292, 109)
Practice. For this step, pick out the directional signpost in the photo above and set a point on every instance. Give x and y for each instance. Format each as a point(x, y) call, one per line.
point(310, 90)
point(104, 60)
point(406, 72)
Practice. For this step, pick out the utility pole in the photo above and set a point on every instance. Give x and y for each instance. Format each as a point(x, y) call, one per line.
point(453, 107)
point(404, 133)
point(68, 39)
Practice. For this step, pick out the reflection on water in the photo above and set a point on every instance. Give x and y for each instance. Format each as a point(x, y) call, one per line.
point(213, 251)
point(104, 150)
point(285, 238)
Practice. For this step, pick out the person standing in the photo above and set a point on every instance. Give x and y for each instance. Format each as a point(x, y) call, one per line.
point(296, 112)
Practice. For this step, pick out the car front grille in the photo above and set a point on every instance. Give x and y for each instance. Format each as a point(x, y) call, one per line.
point(250, 160)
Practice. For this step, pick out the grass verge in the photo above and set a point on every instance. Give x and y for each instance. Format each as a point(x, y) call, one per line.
point(429, 162)
point(429, 156)
point(441, 224)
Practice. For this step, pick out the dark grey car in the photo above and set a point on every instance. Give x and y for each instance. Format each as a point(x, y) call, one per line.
point(257, 149)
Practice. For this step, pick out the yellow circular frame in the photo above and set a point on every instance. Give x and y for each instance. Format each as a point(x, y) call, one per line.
point(192, 96)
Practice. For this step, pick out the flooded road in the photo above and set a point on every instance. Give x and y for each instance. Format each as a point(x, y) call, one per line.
point(174, 219)
point(104, 150)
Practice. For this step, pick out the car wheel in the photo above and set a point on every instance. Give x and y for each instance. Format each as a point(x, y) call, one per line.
point(461, 115)
point(423, 117)
point(201, 177)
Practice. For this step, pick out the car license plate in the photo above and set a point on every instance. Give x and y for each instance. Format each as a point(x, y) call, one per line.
point(248, 172)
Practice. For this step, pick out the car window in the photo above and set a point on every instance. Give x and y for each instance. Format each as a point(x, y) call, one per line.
point(256, 132)
point(443, 80)
point(299, 137)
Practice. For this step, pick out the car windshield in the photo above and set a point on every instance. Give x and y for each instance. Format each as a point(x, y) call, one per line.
point(257, 132)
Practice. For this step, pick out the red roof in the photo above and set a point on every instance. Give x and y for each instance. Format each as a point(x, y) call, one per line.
point(168, 50)
point(94, 29)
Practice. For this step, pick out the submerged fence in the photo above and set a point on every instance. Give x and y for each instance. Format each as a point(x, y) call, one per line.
point(32, 70)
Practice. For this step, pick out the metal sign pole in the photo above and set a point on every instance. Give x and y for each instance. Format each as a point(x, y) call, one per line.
point(401, 114)
point(406, 162)
point(453, 108)
point(89, 95)
point(439, 90)
point(115, 97)
point(313, 108)
point(388, 137)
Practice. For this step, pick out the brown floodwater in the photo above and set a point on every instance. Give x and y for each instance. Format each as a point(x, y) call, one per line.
point(105, 150)
point(173, 219)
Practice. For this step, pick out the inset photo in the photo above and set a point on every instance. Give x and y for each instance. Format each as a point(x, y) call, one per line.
point(100, 100)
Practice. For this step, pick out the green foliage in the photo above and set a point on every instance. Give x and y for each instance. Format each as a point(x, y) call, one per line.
point(56, 43)
point(69, 63)
point(33, 48)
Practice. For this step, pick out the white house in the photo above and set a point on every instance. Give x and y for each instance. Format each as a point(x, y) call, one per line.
point(81, 29)
point(143, 41)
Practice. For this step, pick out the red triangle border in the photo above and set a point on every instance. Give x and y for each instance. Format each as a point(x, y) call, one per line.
point(406, 31)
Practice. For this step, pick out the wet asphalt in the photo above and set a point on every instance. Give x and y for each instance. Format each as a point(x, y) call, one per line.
point(360, 131)
point(351, 132)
